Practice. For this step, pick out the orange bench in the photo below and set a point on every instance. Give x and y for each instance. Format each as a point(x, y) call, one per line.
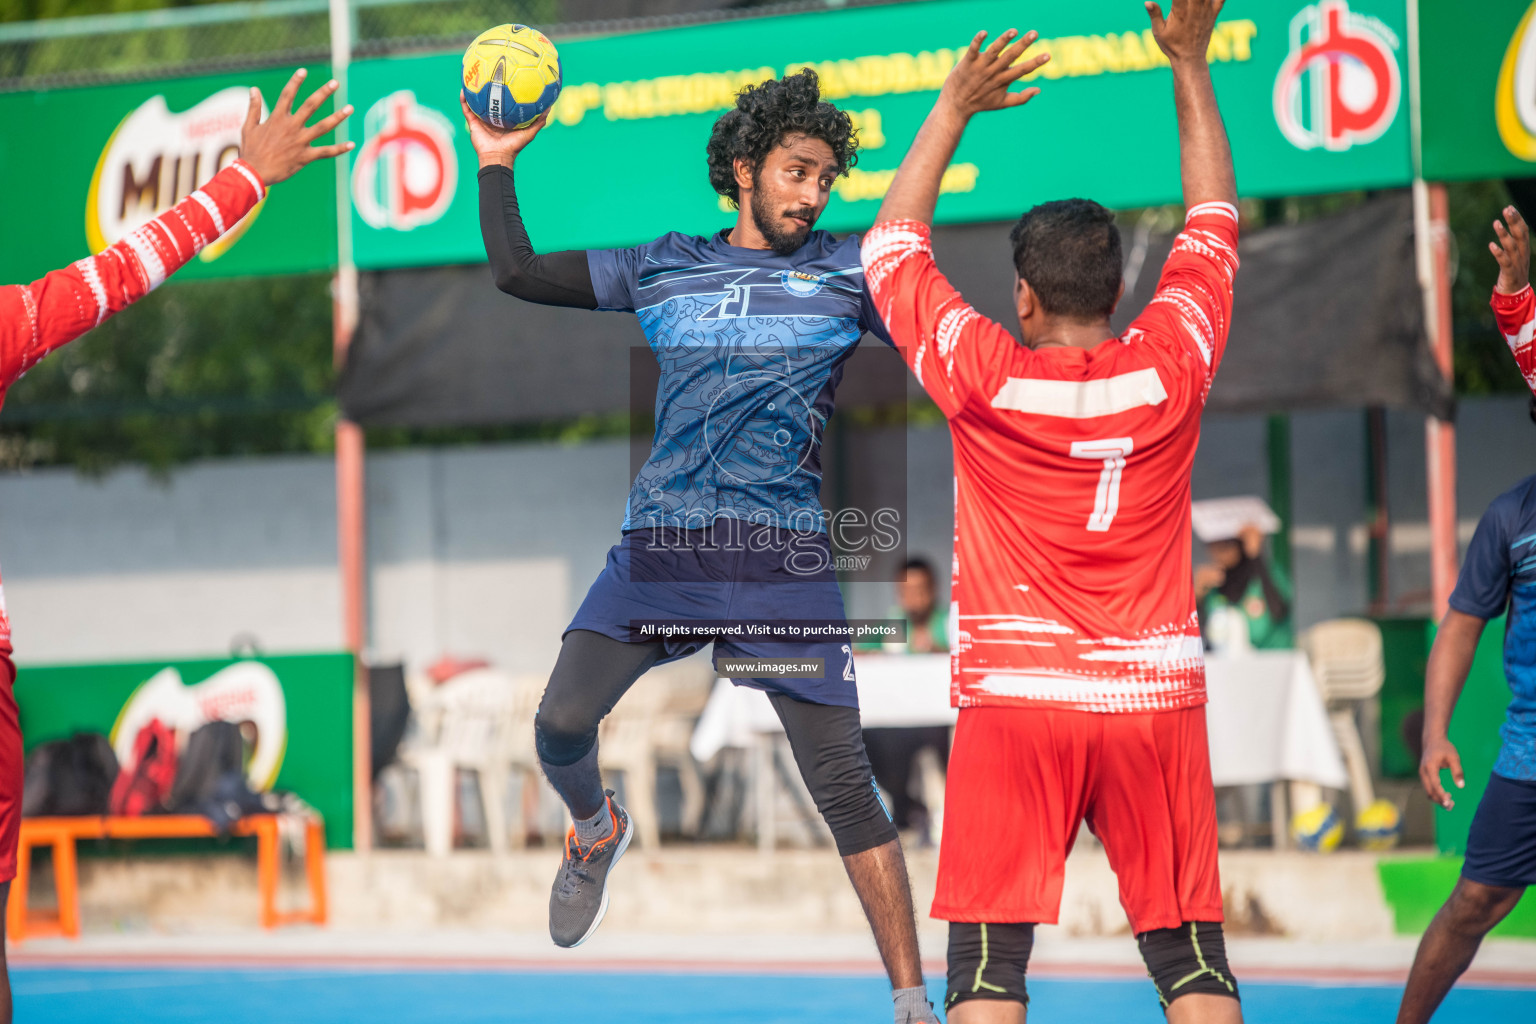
point(63, 833)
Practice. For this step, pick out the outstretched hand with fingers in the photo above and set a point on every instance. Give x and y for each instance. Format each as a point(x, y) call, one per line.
point(278, 147)
point(1513, 251)
point(1186, 33)
point(981, 80)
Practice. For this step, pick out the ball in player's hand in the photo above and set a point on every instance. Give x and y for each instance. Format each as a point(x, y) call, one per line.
point(511, 76)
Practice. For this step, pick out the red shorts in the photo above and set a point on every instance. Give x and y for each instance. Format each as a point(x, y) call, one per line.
point(10, 766)
point(1022, 779)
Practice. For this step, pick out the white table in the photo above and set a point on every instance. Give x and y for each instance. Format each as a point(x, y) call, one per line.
point(894, 690)
point(1266, 721)
point(1267, 724)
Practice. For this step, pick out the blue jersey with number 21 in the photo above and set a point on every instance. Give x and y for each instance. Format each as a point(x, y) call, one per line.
point(1500, 571)
point(751, 346)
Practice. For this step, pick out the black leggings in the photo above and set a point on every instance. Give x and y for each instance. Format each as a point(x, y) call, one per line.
point(594, 671)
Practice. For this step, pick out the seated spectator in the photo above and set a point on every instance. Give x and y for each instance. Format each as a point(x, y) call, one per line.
point(917, 604)
point(1239, 585)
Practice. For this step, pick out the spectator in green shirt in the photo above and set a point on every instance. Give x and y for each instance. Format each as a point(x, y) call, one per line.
point(1240, 578)
point(917, 604)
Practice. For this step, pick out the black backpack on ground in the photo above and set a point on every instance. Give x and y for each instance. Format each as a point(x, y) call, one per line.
point(210, 778)
point(66, 778)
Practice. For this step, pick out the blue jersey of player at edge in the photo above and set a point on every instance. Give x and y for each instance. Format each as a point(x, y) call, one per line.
point(751, 346)
point(1500, 571)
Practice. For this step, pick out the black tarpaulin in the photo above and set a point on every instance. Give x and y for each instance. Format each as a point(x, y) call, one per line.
point(1328, 313)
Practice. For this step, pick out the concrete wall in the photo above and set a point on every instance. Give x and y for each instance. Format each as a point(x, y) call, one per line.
point(487, 551)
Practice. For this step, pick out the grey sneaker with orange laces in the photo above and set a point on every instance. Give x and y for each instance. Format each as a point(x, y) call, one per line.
point(579, 898)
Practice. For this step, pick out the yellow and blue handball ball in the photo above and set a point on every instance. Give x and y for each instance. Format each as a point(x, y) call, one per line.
point(1318, 830)
point(1379, 826)
point(511, 76)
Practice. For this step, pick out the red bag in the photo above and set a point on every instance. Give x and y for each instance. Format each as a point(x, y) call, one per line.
point(144, 784)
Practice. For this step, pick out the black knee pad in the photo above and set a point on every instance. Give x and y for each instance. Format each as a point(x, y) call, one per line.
point(1189, 958)
point(562, 736)
point(988, 961)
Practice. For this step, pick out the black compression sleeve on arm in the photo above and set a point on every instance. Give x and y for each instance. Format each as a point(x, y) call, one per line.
point(555, 279)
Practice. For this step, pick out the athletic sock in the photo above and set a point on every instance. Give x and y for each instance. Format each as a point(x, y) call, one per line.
point(594, 829)
point(912, 1006)
point(580, 784)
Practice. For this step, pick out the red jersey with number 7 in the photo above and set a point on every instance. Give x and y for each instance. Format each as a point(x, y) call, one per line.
point(1071, 584)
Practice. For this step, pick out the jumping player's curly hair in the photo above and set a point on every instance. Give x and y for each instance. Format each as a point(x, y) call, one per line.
point(768, 113)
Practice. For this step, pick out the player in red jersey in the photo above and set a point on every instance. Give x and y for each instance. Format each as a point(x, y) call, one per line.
point(1079, 668)
point(39, 317)
point(1514, 305)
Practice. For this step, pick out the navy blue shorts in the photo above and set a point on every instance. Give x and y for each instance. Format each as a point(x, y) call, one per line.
point(737, 585)
point(1501, 848)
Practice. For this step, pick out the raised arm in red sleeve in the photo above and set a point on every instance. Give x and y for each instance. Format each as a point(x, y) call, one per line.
point(1192, 308)
point(1516, 316)
point(1514, 307)
point(39, 317)
point(950, 347)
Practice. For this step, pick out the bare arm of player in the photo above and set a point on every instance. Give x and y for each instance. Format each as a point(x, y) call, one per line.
point(552, 279)
point(1514, 305)
point(1450, 659)
point(1205, 155)
point(59, 307)
point(978, 83)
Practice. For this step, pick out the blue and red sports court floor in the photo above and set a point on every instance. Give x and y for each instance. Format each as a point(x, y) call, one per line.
point(263, 990)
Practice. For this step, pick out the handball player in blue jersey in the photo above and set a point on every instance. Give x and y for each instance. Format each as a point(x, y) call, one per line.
point(723, 526)
point(1498, 577)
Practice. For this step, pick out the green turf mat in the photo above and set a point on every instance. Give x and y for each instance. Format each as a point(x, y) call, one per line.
point(1415, 888)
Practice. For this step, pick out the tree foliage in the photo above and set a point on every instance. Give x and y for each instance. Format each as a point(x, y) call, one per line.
point(196, 369)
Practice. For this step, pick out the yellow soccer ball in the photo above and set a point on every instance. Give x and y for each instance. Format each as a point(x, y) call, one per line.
point(1379, 826)
point(1319, 830)
point(511, 76)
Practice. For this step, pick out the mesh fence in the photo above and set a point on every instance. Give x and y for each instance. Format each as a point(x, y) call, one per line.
point(267, 33)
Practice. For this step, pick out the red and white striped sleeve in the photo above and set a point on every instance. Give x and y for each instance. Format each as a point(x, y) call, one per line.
point(949, 346)
point(1516, 316)
point(56, 309)
point(1192, 308)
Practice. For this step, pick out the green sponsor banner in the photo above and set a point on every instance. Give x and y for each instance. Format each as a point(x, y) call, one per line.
point(303, 738)
point(1478, 88)
point(82, 167)
point(1314, 96)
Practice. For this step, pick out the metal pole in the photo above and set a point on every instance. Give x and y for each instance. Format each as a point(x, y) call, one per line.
point(351, 497)
point(1432, 208)
point(1432, 235)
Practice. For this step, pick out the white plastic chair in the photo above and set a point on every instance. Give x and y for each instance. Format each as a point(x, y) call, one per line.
point(651, 726)
point(478, 721)
point(1347, 663)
